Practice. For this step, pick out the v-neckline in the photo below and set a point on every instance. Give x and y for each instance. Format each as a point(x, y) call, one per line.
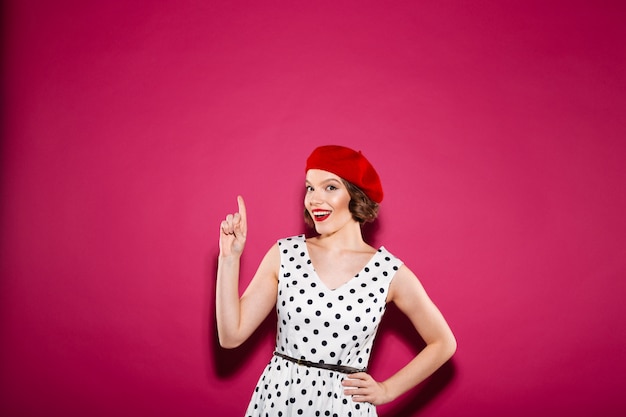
point(344, 284)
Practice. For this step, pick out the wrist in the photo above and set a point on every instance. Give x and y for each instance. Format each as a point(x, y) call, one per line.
point(388, 392)
point(229, 258)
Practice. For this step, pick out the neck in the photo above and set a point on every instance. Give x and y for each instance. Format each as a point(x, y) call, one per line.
point(348, 237)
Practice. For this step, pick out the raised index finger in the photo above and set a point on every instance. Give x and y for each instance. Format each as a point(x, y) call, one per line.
point(242, 212)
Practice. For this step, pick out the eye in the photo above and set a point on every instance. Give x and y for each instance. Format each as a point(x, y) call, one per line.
point(309, 188)
point(331, 188)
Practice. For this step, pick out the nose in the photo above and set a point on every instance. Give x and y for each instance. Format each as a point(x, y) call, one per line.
point(313, 197)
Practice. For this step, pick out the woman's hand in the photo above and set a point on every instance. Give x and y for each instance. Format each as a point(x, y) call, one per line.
point(233, 231)
point(363, 388)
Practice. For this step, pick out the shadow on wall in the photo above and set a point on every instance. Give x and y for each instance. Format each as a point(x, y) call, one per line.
point(228, 362)
point(396, 323)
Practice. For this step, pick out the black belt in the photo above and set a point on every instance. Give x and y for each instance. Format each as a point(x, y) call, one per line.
point(329, 367)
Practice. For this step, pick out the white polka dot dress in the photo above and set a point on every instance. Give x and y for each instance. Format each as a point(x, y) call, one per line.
point(318, 324)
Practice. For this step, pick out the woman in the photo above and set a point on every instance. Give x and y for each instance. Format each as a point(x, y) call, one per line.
point(330, 293)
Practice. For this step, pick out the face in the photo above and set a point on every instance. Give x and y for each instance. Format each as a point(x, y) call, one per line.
point(327, 201)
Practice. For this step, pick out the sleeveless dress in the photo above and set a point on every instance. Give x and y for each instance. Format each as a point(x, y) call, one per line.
point(318, 324)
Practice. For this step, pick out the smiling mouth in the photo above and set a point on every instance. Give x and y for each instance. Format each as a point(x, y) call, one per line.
point(320, 215)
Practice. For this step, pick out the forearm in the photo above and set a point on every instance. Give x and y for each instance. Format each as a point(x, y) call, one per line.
point(227, 303)
point(419, 368)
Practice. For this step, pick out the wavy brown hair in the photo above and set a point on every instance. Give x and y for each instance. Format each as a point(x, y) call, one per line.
point(363, 208)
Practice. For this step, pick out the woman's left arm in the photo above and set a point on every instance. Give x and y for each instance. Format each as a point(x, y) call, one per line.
point(409, 295)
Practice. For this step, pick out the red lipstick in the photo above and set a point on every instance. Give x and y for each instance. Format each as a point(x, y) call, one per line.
point(320, 215)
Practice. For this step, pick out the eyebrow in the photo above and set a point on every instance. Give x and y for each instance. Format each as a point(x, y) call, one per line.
point(326, 181)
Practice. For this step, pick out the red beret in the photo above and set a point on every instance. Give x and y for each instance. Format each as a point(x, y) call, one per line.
point(349, 165)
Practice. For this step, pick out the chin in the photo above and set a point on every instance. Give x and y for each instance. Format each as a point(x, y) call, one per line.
point(320, 229)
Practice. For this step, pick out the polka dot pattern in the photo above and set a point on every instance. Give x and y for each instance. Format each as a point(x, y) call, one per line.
point(319, 324)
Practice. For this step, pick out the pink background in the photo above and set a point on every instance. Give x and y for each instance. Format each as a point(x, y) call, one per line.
point(129, 128)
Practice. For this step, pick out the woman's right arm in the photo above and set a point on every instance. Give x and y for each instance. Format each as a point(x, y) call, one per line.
point(238, 317)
